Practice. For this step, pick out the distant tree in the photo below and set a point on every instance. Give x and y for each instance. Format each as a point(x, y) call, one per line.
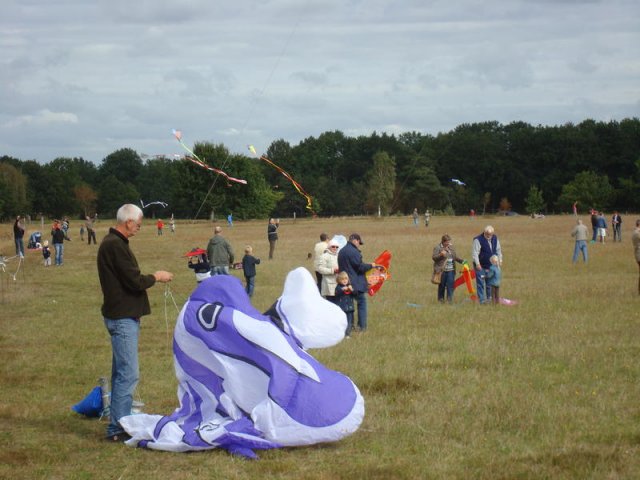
point(124, 164)
point(381, 182)
point(86, 198)
point(486, 201)
point(534, 201)
point(505, 205)
point(15, 190)
point(113, 194)
point(589, 189)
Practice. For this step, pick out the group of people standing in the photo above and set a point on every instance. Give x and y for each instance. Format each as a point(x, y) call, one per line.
point(486, 254)
point(340, 274)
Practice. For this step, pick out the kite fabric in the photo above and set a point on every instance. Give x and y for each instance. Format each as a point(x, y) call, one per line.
point(192, 157)
point(467, 277)
point(295, 184)
point(378, 274)
point(91, 405)
point(245, 381)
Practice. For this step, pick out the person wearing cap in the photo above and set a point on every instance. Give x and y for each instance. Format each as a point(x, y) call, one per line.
point(483, 248)
point(328, 267)
point(318, 250)
point(350, 261)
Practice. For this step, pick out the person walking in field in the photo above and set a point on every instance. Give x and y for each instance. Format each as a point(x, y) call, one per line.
point(249, 263)
point(616, 224)
point(220, 253)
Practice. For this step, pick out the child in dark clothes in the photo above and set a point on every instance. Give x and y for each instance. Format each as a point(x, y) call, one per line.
point(249, 263)
point(344, 299)
point(46, 253)
point(200, 265)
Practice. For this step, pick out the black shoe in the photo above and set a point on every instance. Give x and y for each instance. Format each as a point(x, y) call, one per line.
point(118, 437)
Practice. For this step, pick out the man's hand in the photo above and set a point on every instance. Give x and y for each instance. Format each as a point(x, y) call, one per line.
point(163, 276)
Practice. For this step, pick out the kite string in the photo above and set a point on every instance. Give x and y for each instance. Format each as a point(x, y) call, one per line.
point(168, 294)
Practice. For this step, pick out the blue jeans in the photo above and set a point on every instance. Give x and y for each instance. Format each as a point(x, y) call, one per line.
point(220, 270)
point(251, 284)
point(484, 292)
point(124, 368)
point(581, 246)
point(446, 283)
point(59, 247)
point(19, 247)
point(361, 300)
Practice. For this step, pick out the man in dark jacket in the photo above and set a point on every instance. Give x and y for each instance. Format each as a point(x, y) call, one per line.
point(350, 261)
point(220, 253)
point(484, 246)
point(124, 290)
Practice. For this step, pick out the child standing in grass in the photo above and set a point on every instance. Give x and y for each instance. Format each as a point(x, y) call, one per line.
point(249, 263)
point(493, 277)
point(46, 253)
point(344, 299)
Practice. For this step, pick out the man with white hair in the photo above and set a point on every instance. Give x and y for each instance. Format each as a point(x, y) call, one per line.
point(483, 248)
point(220, 253)
point(125, 300)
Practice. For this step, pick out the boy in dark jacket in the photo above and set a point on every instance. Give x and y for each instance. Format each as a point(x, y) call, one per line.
point(344, 299)
point(249, 263)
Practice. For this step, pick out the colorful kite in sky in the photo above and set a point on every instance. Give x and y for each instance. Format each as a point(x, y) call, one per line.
point(295, 184)
point(192, 157)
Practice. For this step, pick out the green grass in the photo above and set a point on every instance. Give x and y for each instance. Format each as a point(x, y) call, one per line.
point(549, 388)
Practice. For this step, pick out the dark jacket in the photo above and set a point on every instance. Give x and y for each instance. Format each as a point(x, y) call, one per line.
point(344, 299)
point(124, 288)
point(219, 252)
point(57, 235)
point(350, 261)
point(249, 263)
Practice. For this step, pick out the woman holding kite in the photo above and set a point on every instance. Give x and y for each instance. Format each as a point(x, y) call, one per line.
point(444, 258)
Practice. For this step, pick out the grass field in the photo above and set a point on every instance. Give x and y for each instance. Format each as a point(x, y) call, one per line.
point(549, 388)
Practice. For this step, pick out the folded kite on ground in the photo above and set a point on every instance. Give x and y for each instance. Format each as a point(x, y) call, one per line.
point(245, 381)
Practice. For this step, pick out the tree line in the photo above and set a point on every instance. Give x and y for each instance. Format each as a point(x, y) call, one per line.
point(515, 166)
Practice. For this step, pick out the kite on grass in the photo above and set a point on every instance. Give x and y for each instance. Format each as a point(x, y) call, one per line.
point(192, 157)
point(378, 274)
point(162, 204)
point(246, 380)
point(458, 182)
point(295, 184)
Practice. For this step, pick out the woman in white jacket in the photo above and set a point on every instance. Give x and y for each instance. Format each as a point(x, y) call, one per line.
point(329, 268)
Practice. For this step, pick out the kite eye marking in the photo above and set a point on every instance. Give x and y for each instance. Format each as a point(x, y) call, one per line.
point(208, 315)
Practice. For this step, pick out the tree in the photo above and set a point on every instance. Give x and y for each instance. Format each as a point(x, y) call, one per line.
point(534, 201)
point(381, 182)
point(588, 188)
point(15, 186)
point(505, 205)
point(86, 198)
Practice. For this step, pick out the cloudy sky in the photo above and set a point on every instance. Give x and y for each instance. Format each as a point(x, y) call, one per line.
point(83, 78)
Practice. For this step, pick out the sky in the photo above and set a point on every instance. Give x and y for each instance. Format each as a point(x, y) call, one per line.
point(85, 78)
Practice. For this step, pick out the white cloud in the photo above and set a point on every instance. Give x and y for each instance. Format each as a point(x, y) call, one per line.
point(42, 118)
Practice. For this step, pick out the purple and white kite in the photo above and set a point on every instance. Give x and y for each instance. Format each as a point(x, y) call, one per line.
point(245, 379)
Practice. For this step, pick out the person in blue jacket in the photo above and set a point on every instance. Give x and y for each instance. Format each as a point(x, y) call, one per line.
point(350, 261)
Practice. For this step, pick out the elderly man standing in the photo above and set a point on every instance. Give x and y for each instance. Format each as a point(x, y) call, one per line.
point(272, 235)
point(350, 261)
point(483, 248)
point(220, 253)
point(125, 300)
point(581, 233)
